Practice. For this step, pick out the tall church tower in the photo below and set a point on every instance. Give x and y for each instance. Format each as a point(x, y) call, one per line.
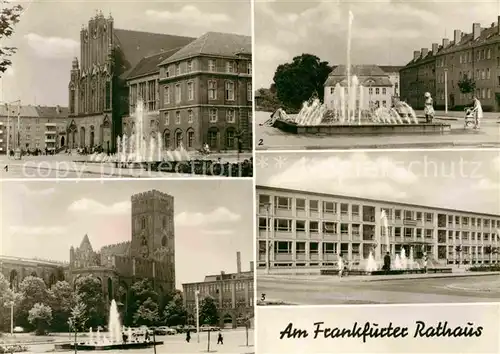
point(153, 234)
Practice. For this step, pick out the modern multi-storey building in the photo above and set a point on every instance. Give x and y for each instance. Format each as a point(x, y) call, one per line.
point(299, 229)
point(474, 55)
point(32, 127)
point(98, 94)
point(149, 255)
point(206, 94)
point(378, 90)
point(233, 294)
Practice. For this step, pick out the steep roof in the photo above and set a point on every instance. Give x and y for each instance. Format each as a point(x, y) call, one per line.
point(136, 45)
point(358, 70)
point(85, 245)
point(367, 75)
point(25, 111)
point(391, 68)
point(149, 65)
point(52, 112)
point(216, 44)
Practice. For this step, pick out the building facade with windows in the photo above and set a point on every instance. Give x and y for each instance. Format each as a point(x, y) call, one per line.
point(233, 294)
point(206, 94)
point(309, 230)
point(98, 94)
point(150, 254)
point(40, 127)
point(475, 55)
point(378, 90)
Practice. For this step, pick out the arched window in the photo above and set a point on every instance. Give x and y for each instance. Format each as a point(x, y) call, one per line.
point(190, 138)
point(166, 139)
point(178, 138)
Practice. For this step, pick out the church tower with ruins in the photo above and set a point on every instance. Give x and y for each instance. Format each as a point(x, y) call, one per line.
point(153, 235)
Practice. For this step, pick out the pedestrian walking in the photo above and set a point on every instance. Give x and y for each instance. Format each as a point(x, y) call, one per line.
point(478, 112)
point(188, 336)
point(220, 339)
point(341, 265)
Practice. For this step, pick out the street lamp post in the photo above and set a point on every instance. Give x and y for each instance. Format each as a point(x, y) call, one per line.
point(11, 305)
point(446, 91)
point(197, 301)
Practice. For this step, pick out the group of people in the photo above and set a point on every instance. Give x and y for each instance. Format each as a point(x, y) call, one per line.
point(477, 110)
point(220, 339)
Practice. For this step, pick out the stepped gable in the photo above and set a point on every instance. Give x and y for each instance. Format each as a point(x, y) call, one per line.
point(135, 45)
point(214, 44)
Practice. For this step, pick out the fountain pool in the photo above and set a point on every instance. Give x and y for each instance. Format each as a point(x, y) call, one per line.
point(349, 113)
point(113, 340)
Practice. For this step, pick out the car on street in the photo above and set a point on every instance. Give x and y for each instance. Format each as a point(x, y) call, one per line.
point(18, 329)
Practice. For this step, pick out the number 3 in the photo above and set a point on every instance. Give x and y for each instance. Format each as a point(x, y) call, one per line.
point(263, 297)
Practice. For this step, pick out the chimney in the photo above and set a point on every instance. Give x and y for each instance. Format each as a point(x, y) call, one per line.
point(251, 266)
point(476, 30)
point(435, 48)
point(416, 54)
point(238, 262)
point(446, 42)
point(458, 36)
point(425, 51)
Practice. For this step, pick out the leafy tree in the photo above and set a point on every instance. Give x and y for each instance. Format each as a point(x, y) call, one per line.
point(140, 292)
point(466, 84)
point(61, 300)
point(9, 17)
point(7, 296)
point(33, 291)
point(89, 292)
point(175, 313)
point(147, 314)
point(40, 316)
point(78, 318)
point(209, 314)
point(297, 81)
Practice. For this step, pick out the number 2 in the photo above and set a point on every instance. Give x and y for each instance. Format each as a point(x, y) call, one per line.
point(261, 142)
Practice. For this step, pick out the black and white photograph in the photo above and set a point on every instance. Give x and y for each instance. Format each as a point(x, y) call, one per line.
point(377, 74)
point(349, 228)
point(133, 266)
point(126, 89)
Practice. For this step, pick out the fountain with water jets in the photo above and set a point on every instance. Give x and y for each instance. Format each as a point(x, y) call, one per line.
point(349, 113)
point(141, 146)
point(113, 339)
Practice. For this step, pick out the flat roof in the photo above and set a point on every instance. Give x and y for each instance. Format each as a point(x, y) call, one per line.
point(289, 190)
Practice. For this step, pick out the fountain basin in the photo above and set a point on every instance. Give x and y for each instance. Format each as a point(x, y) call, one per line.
point(111, 346)
point(362, 129)
point(332, 271)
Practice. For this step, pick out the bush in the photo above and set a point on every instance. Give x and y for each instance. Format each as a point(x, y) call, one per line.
point(492, 268)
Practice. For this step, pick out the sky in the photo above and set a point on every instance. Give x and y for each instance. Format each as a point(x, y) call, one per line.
point(47, 37)
point(44, 219)
point(384, 32)
point(463, 180)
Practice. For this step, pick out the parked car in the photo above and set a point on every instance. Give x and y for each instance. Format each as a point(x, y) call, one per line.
point(190, 328)
point(171, 331)
point(18, 329)
point(206, 328)
point(161, 331)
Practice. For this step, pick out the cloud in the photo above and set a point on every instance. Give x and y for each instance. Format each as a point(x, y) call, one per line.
point(217, 232)
point(217, 216)
point(267, 53)
point(189, 14)
point(52, 47)
point(37, 230)
point(94, 207)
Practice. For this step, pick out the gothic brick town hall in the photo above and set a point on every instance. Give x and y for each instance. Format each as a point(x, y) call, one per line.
point(196, 90)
